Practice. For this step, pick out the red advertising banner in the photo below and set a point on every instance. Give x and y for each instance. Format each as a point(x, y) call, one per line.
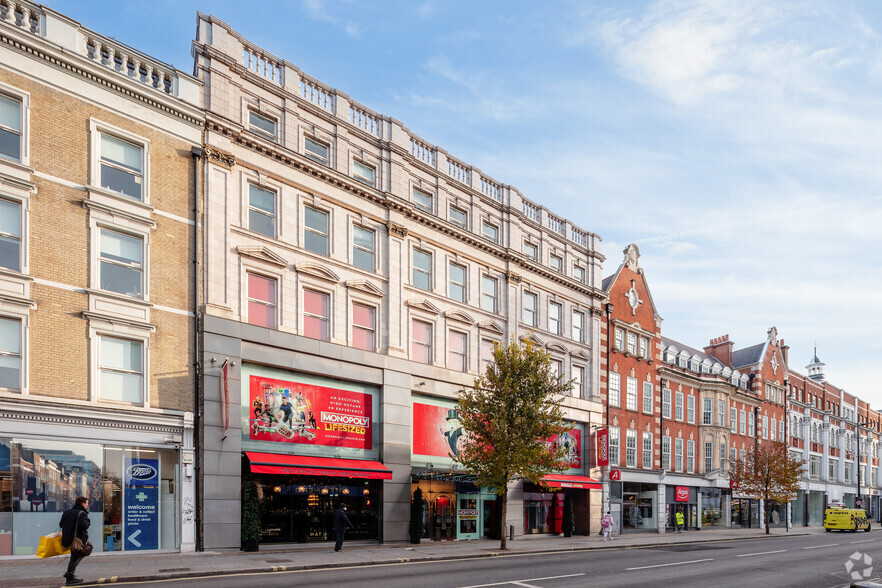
point(602, 436)
point(291, 412)
point(681, 494)
point(436, 430)
point(571, 441)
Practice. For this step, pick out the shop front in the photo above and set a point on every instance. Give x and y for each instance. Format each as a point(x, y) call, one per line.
point(682, 499)
point(309, 446)
point(745, 513)
point(715, 507)
point(639, 506)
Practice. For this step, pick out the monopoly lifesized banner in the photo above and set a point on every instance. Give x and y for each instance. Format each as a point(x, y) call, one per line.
point(437, 431)
point(293, 412)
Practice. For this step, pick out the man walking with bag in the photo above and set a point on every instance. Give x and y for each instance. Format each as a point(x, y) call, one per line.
point(606, 526)
point(75, 535)
point(340, 522)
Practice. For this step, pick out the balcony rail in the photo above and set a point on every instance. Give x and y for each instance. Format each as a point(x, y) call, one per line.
point(459, 171)
point(20, 15)
point(579, 237)
point(365, 120)
point(317, 94)
point(555, 224)
point(531, 211)
point(491, 189)
point(137, 67)
point(256, 60)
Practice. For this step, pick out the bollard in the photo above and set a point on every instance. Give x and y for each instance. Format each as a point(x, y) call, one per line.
point(511, 532)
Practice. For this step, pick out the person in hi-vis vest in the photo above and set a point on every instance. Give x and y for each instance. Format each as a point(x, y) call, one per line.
point(679, 520)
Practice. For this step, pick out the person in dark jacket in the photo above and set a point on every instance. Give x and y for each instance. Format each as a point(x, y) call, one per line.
point(75, 523)
point(340, 522)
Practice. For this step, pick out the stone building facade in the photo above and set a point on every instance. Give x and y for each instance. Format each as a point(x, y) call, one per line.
point(357, 277)
point(97, 291)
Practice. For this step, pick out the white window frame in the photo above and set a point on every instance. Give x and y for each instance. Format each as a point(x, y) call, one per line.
point(690, 409)
point(15, 94)
point(326, 235)
point(631, 393)
point(463, 357)
point(328, 320)
point(615, 389)
point(144, 381)
point(578, 330)
point(733, 419)
point(274, 136)
point(678, 407)
point(465, 281)
point(429, 345)
point(631, 343)
point(619, 340)
point(313, 155)
point(631, 448)
point(430, 208)
point(249, 299)
point(98, 128)
point(531, 251)
point(489, 299)
point(143, 236)
point(666, 453)
point(427, 272)
point(22, 238)
point(578, 375)
point(528, 313)
point(23, 331)
point(742, 422)
point(464, 224)
point(555, 262)
point(555, 325)
point(372, 329)
point(360, 171)
point(648, 400)
point(372, 252)
point(257, 210)
point(579, 274)
point(707, 411)
point(490, 231)
point(678, 455)
point(690, 456)
point(721, 413)
point(666, 403)
point(647, 450)
point(615, 451)
point(708, 456)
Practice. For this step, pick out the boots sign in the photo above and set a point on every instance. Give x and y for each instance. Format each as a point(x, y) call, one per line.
point(141, 521)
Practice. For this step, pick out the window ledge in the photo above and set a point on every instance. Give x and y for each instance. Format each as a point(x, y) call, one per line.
point(19, 174)
point(117, 204)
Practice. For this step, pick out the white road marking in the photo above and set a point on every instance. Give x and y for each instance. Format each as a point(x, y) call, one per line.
point(522, 582)
point(678, 563)
point(761, 553)
point(820, 546)
point(864, 541)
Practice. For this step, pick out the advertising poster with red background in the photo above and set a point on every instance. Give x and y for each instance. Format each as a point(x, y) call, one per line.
point(291, 412)
point(437, 432)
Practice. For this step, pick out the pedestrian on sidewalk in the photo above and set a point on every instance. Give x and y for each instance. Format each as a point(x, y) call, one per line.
point(606, 526)
point(340, 522)
point(75, 524)
point(680, 521)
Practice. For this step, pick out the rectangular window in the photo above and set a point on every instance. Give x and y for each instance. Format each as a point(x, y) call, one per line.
point(708, 456)
point(741, 422)
point(751, 426)
point(690, 409)
point(556, 368)
point(490, 232)
point(849, 473)
point(10, 234)
point(721, 413)
point(678, 455)
point(614, 389)
point(531, 251)
point(10, 354)
point(631, 394)
point(781, 430)
point(556, 263)
point(620, 339)
point(363, 248)
point(121, 263)
point(486, 354)
point(530, 305)
point(666, 403)
point(10, 128)
point(456, 284)
point(678, 407)
point(647, 397)
point(459, 217)
point(578, 381)
point(814, 466)
point(422, 269)
point(423, 200)
point(641, 346)
point(733, 454)
point(262, 125)
point(367, 174)
point(317, 151)
point(488, 293)
point(765, 427)
point(632, 343)
point(121, 166)
point(707, 406)
point(316, 315)
point(647, 450)
point(690, 456)
point(578, 326)
point(832, 469)
point(579, 274)
point(554, 312)
point(666, 453)
point(631, 448)
point(121, 374)
point(722, 455)
point(773, 430)
point(261, 211)
point(457, 344)
point(421, 348)
point(261, 301)
point(614, 451)
point(316, 230)
point(733, 417)
point(364, 327)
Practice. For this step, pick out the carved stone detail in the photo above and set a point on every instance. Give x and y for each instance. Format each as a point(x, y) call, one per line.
point(396, 230)
point(513, 278)
point(219, 157)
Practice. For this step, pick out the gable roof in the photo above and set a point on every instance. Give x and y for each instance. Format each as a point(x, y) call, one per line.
point(748, 356)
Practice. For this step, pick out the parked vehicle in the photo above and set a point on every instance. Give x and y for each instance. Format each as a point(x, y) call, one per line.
point(846, 519)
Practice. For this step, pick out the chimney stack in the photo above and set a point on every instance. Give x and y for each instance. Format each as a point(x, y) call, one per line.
point(721, 348)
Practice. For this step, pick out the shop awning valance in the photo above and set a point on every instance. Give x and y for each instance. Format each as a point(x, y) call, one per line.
point(299, 465)
point(563, 481)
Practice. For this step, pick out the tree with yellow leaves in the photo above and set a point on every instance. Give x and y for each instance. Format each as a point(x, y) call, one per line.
point(767, 473)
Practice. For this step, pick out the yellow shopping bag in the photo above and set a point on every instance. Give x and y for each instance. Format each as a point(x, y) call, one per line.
point(50, 546)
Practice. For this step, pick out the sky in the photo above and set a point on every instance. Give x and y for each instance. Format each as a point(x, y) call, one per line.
point(738, 143)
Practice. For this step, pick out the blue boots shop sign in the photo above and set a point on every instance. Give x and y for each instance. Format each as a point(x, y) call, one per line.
point(142, 504)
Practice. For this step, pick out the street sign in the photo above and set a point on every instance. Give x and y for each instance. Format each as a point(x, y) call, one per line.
point(615, 474)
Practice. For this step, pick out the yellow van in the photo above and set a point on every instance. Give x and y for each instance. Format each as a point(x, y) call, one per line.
point(846, 519)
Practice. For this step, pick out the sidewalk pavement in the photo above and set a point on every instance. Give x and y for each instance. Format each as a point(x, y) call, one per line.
point(131, 566)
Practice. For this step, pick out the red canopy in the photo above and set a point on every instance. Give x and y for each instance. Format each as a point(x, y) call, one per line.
point(300, 465)
point(563, 481)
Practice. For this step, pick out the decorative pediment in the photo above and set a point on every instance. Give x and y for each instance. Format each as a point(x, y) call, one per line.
point(423, 304)
point(261, 253)
point(557, 347)
point(491, 326)
point(580, 354)
point(458, 315)
point(364, 286)
point(532, 338)
point(316, 270)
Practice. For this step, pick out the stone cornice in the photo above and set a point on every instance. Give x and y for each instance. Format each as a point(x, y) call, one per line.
point(32, 408)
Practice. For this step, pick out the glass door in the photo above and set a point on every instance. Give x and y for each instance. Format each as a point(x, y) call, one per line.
point(467, 522)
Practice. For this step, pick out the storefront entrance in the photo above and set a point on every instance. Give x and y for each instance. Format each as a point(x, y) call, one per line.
point(639, 506)
point(745, 513)
point(467, 521)
point(299, 509)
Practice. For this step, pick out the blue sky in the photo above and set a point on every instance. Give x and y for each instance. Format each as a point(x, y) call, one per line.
point(738, 143)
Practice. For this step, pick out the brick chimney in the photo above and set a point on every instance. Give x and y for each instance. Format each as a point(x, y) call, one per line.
point(721, 348)
point(784, 351)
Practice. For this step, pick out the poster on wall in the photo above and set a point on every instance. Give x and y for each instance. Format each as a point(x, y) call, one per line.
point(571, 441)
point(141, 520)
point(292, 412)
point(437, 431)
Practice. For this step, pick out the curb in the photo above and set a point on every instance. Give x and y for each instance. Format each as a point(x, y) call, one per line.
point(404, 560)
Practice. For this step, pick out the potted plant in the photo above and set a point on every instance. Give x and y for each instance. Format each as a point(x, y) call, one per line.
point(569, 519)
point(416, 516)
point(250, 518)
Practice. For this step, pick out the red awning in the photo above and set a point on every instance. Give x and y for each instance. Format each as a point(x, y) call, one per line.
point(562, 481)
point(299, 465)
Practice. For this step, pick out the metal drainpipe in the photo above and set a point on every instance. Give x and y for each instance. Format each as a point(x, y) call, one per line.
point(609, 336)
point(196, 152)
